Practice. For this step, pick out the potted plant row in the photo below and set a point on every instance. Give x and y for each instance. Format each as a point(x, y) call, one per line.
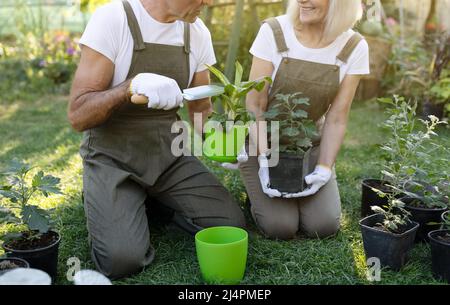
point(232, 110)
point(407, 168)
point(34, 242)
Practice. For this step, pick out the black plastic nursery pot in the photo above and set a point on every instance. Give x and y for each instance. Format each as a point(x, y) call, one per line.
point(425, 217)
point(44, 258)
point(288, 175)
point(370, 198)
point(391, 249)
point(10, 263)
point(440, 254)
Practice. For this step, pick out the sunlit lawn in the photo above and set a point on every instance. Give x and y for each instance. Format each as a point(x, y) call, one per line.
point(38, 133)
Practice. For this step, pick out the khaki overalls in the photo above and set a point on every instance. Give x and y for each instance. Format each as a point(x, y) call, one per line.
point(128, 159)
point(317, 215)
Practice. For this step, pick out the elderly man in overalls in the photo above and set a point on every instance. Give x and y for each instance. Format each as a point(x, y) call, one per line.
point(152, 48)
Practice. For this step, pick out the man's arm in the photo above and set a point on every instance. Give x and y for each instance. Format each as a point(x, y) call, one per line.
point(203, 106)
point(91, 102)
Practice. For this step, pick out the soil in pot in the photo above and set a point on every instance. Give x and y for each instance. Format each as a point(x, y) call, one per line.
point(41, 253)
point(10, 263)
point(390, 248)
point(429, 219)
point(289, 174)
point(440, 254)
point(370, 198)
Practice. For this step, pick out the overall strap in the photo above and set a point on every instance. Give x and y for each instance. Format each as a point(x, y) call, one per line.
point(187, 38)
point(278, 34)
point(134, 27)
point(349, 47)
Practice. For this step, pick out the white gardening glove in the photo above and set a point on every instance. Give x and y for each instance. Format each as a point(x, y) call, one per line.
point(318, 178)
point(242, 157)
point(162, 92)
point(263, 174)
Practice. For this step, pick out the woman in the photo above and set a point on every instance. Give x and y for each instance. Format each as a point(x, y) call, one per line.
point(312, 49)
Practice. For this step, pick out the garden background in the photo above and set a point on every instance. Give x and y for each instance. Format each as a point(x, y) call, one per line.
point(38, 57)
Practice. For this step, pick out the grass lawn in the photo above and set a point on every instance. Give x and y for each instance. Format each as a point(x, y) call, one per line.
point(39, 133)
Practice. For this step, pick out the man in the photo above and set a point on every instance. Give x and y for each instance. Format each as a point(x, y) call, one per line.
point(152, 48)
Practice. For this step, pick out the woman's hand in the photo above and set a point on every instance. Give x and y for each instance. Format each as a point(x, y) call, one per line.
point(316, 180)
point(264, 179)
point(242, 157)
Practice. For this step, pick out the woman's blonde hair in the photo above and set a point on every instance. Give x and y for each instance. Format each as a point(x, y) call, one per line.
point(342, 16)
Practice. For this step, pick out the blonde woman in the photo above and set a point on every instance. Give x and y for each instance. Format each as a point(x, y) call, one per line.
point(312, 49)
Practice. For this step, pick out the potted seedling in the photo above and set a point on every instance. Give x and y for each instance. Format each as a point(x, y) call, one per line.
point(296, 141)
point(10, 263)
point(36, 243)
point(399, 112)
point(229, 128)
point(389, 234)
point(440, 249)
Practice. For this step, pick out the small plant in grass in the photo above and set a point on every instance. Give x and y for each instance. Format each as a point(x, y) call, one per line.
point(233, 98)
point(297, 131)
point(16, 191)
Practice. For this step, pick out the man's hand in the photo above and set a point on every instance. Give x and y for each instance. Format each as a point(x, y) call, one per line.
point(162, 92)
point(316, 180)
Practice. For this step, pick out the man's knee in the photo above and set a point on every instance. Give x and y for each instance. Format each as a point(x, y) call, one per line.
point(118, 261)
point(237, 220)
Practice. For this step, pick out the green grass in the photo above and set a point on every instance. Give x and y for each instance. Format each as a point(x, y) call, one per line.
point(39, 133)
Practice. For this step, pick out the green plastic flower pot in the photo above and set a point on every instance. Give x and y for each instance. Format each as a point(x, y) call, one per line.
point(222, 254)
point(224, 146)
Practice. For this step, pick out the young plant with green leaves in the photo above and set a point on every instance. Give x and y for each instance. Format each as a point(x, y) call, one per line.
point(405, 152)
point(16, 191)
point(395, 217)
point(297, 131)
point(233, 98)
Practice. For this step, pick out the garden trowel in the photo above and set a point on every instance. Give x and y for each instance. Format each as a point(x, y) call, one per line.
point(190, 94)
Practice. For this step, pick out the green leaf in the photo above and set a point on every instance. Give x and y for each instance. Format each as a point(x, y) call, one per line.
point(11, 236)
point(290, 132)
point(271, 114)
point(36, 218)
point(301, 101)
point(46, 184)
point(385, 100)
point(222, 78)
point(7, 216)
point(238, 74)
point(377, 209)
point(300, 114)
point(11, 194)
point(305, 142)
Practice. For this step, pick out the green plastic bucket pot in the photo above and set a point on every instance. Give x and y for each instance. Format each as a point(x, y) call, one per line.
point(222, 254)
point(217, 144)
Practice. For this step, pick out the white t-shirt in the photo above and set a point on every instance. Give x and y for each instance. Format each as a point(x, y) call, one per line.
point(108, 33)
point(265, 48)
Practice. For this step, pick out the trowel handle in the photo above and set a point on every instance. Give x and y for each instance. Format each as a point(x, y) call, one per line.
point(139, 99)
